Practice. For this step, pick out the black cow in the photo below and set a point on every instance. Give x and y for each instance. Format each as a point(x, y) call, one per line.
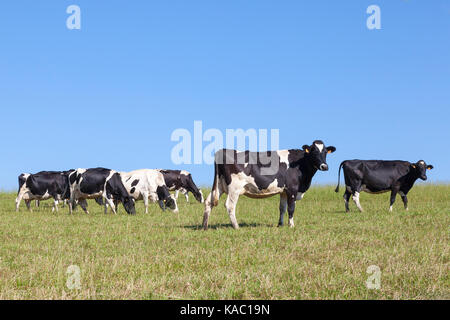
point(181, 181)
point(378, 176)
point(98, 183)
point(264, 174)
point(42, 186)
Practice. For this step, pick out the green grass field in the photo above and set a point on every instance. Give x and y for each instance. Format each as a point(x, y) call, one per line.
point(163, 255)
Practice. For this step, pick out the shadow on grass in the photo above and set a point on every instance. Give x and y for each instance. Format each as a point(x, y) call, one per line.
point(227, 226)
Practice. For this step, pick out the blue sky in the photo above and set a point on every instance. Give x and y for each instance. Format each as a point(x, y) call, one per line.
point(112, 93)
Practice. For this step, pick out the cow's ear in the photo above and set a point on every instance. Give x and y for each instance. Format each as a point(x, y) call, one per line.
point(429, 167)
point(331, 149)
point(306, 148)
point(413, 165)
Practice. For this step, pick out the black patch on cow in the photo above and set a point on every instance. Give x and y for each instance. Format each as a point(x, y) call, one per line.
point(134, 183)
point(22, 180)
point(162, 192)
point(132, 190)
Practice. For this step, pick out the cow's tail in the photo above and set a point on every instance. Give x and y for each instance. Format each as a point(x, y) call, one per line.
point(215, 187)
point(339, 176)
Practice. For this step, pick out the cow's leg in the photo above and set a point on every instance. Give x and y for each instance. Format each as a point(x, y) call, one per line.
point(83, 205)
point(291, 208)
point(283, 207)
point(230, 204)
point(111, 204)
point(186, 195)
point(176, 194)
point(209, 204)
point(71, 201)
point(145, 197)
point(347, 195)
point(392, 200)
point(355, 198)
point(37, 203)
point(405, 200)
point(55, 205)
point(18, 199)
point(28, 204)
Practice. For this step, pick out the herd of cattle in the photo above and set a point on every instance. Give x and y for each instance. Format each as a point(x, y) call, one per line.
point(288, 173)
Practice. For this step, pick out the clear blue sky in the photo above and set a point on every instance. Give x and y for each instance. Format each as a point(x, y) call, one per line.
point(112, 93)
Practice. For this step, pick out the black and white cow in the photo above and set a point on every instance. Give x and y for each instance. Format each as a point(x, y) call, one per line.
point(181, 181)
point(264, 174)
point(148, 184)
point(98, 183)
point(42, 186)
point(378, 176)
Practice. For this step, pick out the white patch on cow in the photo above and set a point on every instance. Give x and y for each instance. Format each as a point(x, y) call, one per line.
point(186, 173)
point(356, 200)
point(319, 146)
point(243, 183)
point(246, 185)
point(390, 209)
point(300, 196)
point(291, 222)
point(284, 156)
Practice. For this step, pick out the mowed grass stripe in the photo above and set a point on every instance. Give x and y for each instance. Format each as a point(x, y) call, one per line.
point(163, 255)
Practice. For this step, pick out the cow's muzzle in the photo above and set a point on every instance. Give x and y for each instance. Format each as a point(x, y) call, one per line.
point(424, 178)
point(323, 167)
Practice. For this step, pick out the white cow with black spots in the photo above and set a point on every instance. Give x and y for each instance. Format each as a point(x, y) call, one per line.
point(149, 184)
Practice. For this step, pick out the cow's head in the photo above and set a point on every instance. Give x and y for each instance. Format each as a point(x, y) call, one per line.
point(128, 204)
point(170, 203)
point(188, 183)
point(420, 169)
point(317, 154)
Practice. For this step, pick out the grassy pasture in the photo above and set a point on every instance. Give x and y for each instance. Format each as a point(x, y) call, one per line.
point(163, 255)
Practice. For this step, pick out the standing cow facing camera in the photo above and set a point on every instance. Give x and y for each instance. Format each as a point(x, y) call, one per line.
point(263, 174)
point(181, 181)
point(379, 176)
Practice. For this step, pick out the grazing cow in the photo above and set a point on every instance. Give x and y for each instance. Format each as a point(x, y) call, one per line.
point(181, 181)
point(42, 186)
point(264, 174)
point(98, 183)
point(378, 176)
point(148, 184)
